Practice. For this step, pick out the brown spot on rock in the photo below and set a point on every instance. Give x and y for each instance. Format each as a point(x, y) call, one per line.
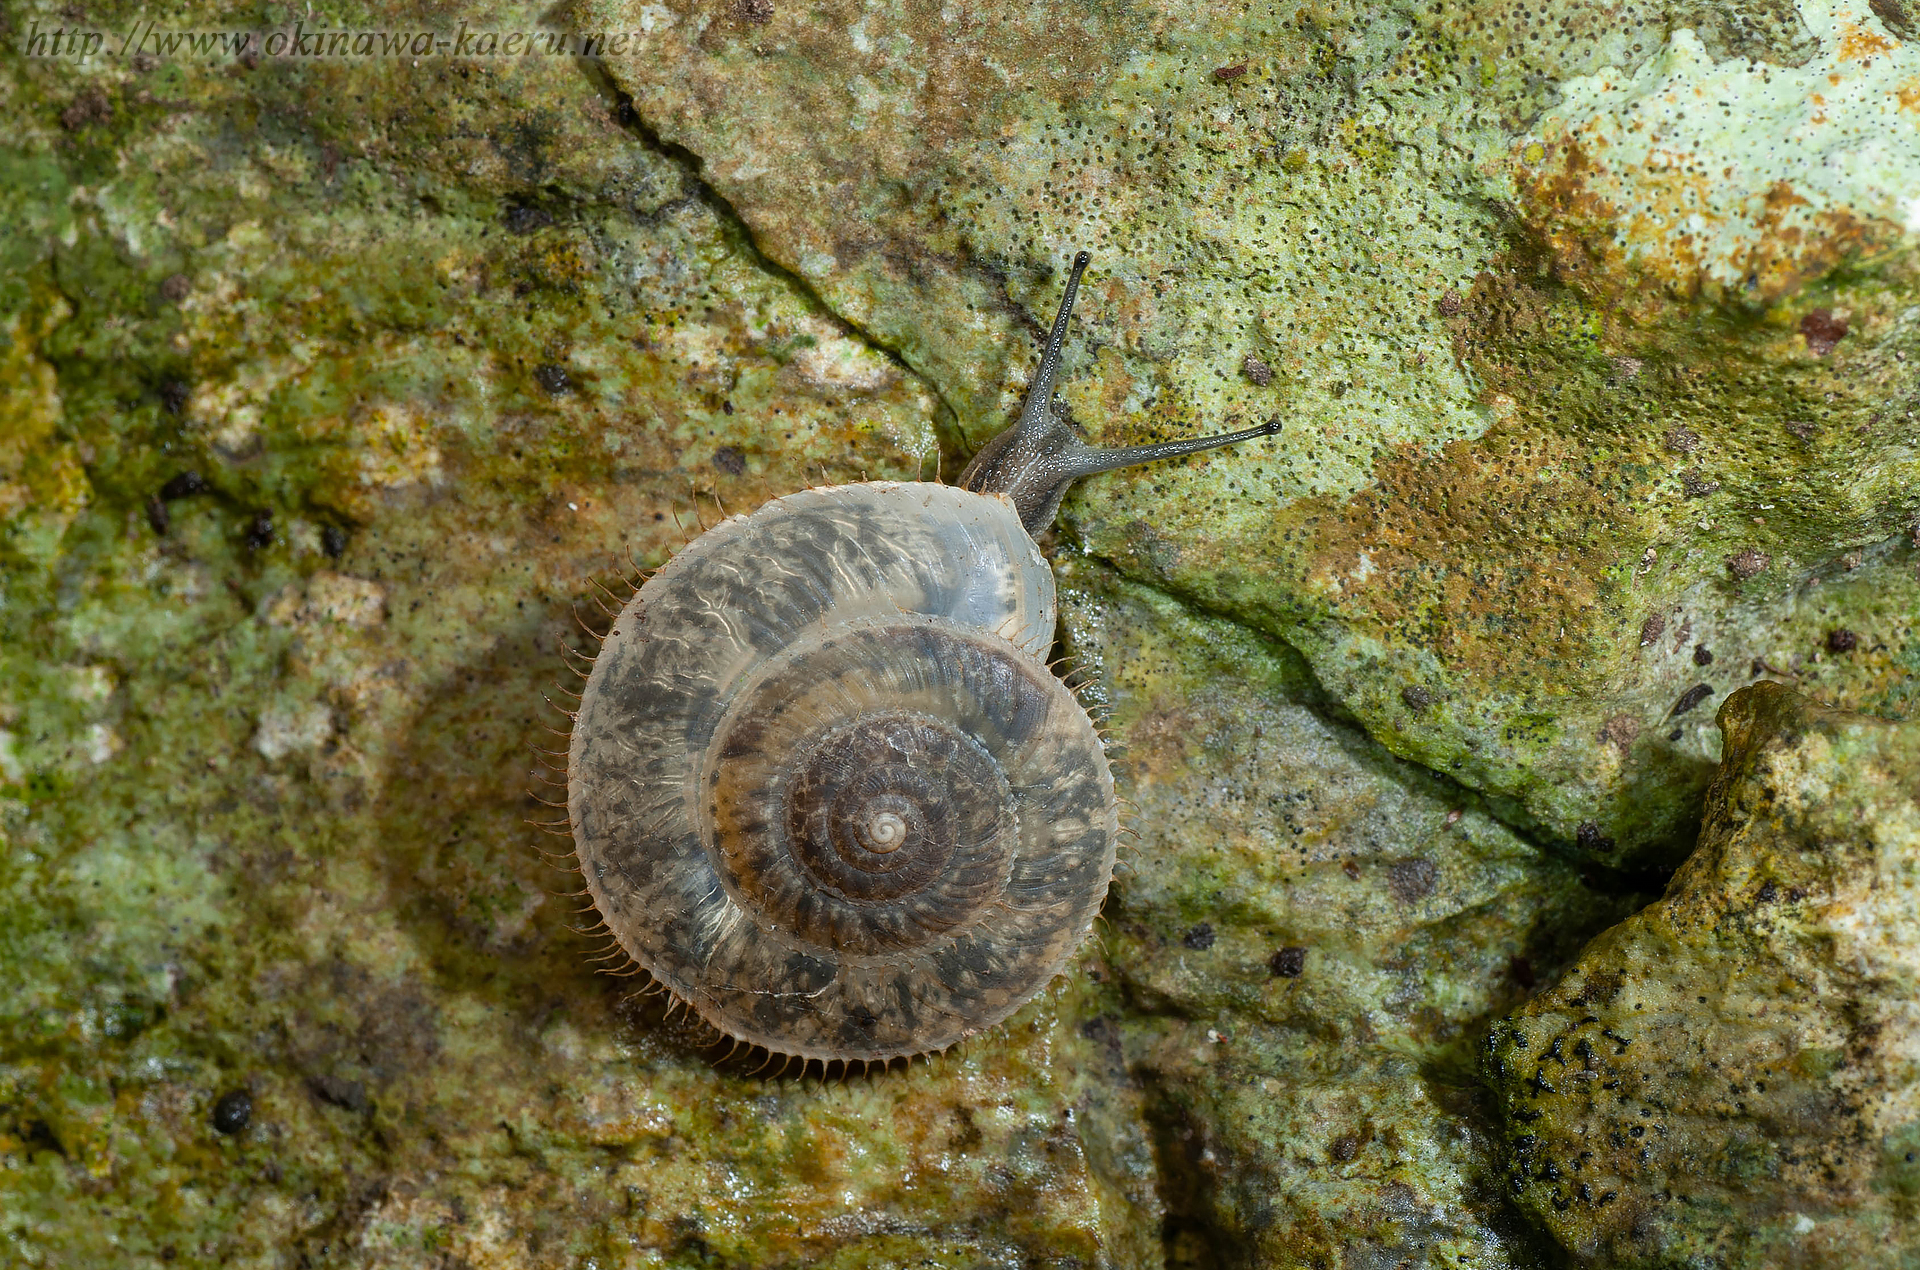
point(1288, 963)
point(1682, 440)
point(1344, 1148)
point(1450, 302)
point(1702, 655)
point(729, 460)
point(753, 12)
point(1226, 74)
point(1417, 699)
point(1256, 370)
point(1653, 628)
point(89, 108)
point(1412, 880)
point(1589, 838)
point(1823, 331)
point(1750, 563)
point(1620, 731)
point(1691, 698)
point(176, 288)
point(1842, 640)
point(1694, 483)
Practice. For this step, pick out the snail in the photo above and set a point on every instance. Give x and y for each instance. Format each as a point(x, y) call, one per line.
point(823, 785)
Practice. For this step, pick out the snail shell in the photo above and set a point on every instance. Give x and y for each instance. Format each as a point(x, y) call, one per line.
point(823, 785)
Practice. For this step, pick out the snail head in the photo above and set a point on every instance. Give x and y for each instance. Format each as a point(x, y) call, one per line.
point(1035, 460)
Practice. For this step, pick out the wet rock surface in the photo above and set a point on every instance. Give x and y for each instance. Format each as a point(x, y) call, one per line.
point(1307, 1064)
point(1729, 1076)
point(333, 391)
point(1494, 265)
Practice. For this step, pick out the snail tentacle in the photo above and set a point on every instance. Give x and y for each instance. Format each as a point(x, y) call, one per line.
point(1035, 460)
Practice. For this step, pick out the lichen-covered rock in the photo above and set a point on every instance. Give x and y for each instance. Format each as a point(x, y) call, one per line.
point(1732, 1077)
point(332, 389)
point(1559, 353)
point(1309, 934)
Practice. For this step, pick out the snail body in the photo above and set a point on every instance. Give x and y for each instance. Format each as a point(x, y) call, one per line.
point(822, 784)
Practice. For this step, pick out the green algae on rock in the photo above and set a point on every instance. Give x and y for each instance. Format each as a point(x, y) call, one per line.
point(470, 344)
point(1478, 291)
point(326, 388)
point(1729, 1077)
point(1309, 934)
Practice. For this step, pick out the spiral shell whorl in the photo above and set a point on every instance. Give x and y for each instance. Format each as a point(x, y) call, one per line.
point(824, 788)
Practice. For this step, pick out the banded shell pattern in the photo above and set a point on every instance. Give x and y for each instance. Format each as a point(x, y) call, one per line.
point(823, 786)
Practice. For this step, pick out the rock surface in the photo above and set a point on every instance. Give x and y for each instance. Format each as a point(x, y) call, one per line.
point(1732, 1076)
point(1556, 356)
point(332, 389)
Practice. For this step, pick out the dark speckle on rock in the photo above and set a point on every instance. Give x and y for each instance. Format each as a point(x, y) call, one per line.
point(333, 541)
point(1653, 628)
point(1226, 73)
point(1802, 428)
point(157, 515)
point(1702, 655)
point(174, 394)
point(1412, 880)
point(524, 218)
point(1691, 698)
point(1748, 563)
point(1842, 640)
point(1288, 963)
point(233, 1112)
point(1682, 440)
point(176, 287)
point(184, 485)
point(1344, 1148)
point(1823, 331)
point(1199, 937)
point(554, 379)
point(1589, 838)
point(1256, 370)
point(260, 531)
point(753, 12)
point(729, 460)
point(1416, 698)
point(1694, 483)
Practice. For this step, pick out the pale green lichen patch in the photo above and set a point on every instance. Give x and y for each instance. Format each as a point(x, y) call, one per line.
point(1376, 227)
point(1735, 179)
